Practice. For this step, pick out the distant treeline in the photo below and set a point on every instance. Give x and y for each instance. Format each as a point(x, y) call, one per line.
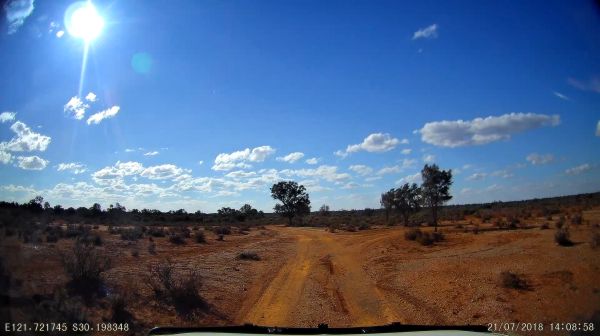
point(117, 214)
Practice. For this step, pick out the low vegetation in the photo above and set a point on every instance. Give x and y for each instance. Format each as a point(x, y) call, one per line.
point(84, 266)
point(424, 238)
point(181, 289)
point(247, 255)
point(562, 237)
point(512, 280)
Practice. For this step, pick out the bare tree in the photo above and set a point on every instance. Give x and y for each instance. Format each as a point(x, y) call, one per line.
point(324, 210)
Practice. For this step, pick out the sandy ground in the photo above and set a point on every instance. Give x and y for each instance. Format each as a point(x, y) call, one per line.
point(308, 276)
point(377, 277)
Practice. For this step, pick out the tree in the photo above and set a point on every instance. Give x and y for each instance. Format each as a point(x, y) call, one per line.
point(227, 212)
point(435, 188)
point(35, 204)
point(294, 199)
point(387, 203)
point(248, 211)
point(96, 210)
point(324, 210)
point(407, 200)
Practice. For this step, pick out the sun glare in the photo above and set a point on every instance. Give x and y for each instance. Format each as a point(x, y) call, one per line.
point(83, 21)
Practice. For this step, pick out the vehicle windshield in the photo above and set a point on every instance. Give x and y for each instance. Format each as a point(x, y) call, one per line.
point(299, 163)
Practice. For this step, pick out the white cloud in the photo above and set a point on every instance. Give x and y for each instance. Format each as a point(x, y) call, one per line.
point(351, 185)
point(16, 13)
point(31, 162)
point(598, 128)
point(200, 163)
point(76, 108)
point(314, 160)
point(502, 173)
point(414, 178)
point(373, 143)
point(426, 33)
point(25, 140)
point(328, 173)
point(340, 153)
point(91, 97)
point(96, 118)
point(5, 157)
point(480, 131)
point(406, 151)
point(73, 167)
point(313, 186)
point(494, 188)
point(237, 159)
point(579, 169)
point(361, 169)
point(115, 174)
point(539, 159)
point(406, 163)
point(560, 95)
point(162, 172)
point(153, 153)
point(7, 116)
point(60, 33)
point(593, 84)
point(389, 170)
point(476, 176)
point(428, 158)
point(259, 154)
point(240, 174)
point(292, 157)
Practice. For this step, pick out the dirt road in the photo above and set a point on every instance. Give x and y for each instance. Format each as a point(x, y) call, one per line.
point(376, 277)
point(324, 281)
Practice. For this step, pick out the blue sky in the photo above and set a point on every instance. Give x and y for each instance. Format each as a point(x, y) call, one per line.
point(205, 104)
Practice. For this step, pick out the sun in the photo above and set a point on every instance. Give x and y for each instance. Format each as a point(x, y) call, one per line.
point(83, 21)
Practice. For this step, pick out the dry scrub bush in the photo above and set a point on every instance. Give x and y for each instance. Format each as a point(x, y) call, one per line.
point(84, 266)
point(132, 234)
point(545, 226)
point(180, 289)
point(152, 248)
point(562, 237)
point(119, 312)
point(246, 255)
point(364, 226)
point(561, 222)
point(156, 232)
point(412, 234)
point(177, 239)
point(222, 230)
point(423, 238)
point(60, 307)
point(595, 243)
point(200, 238)
point(512, 280)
